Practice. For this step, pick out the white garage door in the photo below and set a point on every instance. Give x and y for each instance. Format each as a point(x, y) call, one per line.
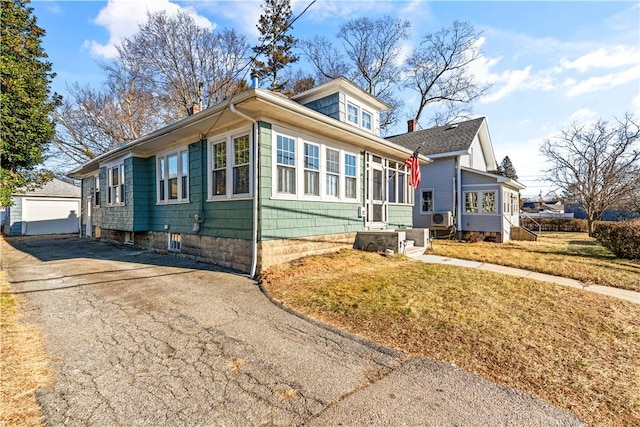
point(50, 216)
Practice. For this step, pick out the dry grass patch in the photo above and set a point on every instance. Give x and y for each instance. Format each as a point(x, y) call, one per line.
point(573, 255)
point(23, 364)
point(577, 350)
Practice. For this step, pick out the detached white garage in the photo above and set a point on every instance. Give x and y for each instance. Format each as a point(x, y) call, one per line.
point(51, 209)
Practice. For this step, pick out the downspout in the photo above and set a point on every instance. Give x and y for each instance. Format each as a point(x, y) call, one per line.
point(254, 242)
point(459, 199)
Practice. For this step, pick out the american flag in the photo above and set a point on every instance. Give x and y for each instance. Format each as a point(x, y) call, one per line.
point(412, 162)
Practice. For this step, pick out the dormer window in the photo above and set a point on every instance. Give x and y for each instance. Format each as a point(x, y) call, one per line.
point(366, 120)
point(352, 113)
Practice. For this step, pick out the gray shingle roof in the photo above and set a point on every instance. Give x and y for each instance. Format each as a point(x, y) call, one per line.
point(442, 139)
point(56, 188)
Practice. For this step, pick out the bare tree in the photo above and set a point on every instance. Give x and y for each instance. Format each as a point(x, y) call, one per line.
point(439, 70)
point(188, 63)
point(156, 77)
point(327, 61)
point(596, 165)
point(373, 49)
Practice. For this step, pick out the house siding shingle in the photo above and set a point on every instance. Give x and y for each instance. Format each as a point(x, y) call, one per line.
point(329, 105)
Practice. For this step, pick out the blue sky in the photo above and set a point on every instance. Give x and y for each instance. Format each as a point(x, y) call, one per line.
point(550, 62)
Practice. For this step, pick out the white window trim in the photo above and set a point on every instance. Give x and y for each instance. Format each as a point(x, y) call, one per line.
point(299, 140)
point(227, 138)
point(423, 212)
point(164, 155)
point(480, 201)
point(371, 120)
point(400, 169)
point(122, 181)
point(361, 108)
point(96, 191)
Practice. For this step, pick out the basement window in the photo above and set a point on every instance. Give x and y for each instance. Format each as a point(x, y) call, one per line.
point(174, 242)
point(128, 237)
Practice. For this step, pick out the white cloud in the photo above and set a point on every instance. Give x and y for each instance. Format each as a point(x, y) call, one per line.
point(509, 81)
point(611, 57)
point(345, 10)
point(583, 115)
point(609, 81)
point(121, 18)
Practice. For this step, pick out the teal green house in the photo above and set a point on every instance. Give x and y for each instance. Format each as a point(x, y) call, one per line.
point(256, 180)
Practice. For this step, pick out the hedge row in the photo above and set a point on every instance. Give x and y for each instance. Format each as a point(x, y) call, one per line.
point(555, 224)
point(621, 238)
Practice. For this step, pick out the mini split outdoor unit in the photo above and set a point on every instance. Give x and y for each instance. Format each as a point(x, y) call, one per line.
point(442, 219)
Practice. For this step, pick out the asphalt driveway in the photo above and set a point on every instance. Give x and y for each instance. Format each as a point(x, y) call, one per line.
point(141, 339)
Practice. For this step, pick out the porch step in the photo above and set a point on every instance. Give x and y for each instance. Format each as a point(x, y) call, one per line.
point(411, 249)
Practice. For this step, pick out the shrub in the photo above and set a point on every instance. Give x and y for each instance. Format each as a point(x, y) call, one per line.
point(473, 237)
point(555, 224)
point(621, 238)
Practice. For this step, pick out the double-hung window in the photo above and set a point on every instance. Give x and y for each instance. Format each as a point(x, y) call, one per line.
point(426, 201)
point(484, 202)
point(219, 168)
point(286, 164)
point(173, 177)
point(352, 114)
point(489, 202)
point(115, 190)
point(307, 168)
point(311, 169)
point(350, 176)
point(366, 120)
point(96, 191)
point(241, 164)
point(333, 173)
point(229, 166)
point(471, 202)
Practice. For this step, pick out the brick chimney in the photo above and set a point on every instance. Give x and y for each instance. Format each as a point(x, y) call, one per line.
point(195, 108)
point(411, 125)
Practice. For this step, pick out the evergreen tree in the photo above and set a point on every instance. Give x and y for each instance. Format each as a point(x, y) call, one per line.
point(276, 44)
point(26, 127)
point(507, 169)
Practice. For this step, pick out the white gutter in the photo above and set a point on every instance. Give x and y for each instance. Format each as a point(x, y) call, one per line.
point(279, 101)
point(254, 242)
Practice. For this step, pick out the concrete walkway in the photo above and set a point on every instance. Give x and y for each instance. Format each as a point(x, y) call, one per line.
point(604, 290)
